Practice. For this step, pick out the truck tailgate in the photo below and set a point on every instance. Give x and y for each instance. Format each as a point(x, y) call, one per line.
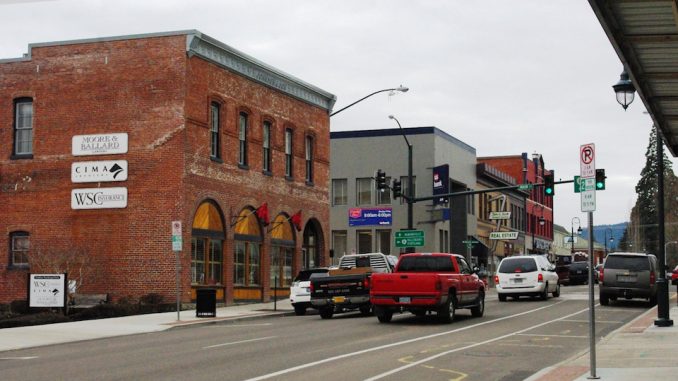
point(404, 284)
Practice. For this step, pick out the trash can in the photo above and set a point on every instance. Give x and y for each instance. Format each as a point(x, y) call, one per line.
point(206, 302)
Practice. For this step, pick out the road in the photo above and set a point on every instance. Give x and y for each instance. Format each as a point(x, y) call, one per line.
point(514, 340)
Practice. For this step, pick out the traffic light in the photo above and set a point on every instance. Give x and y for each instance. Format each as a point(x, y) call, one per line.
point(600, 179)
point(549, 188)
point(397, 188)
point(381, 180)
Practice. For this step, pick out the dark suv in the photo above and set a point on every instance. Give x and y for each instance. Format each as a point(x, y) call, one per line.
point(628, 275)
point(578, 273)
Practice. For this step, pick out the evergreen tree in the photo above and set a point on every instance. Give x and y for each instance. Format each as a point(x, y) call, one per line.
point(643, 232)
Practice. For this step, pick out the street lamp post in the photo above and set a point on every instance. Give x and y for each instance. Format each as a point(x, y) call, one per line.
point(400, 88)
point(611, 239)
point(542, 221)
point(410, 196)
point(572, 233)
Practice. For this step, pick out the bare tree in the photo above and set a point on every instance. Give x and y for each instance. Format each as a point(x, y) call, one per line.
point(82, 269)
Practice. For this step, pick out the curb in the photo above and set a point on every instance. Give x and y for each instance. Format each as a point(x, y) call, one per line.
point(216, 320)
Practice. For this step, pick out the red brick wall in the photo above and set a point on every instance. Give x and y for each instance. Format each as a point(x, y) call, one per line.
point(151, 90)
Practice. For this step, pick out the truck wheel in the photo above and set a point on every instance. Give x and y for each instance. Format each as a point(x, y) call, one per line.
point(447, 311)
point(556, 292)
point(326, 313)
point(604, 299)
point(366, 310)
point(299, 310)
point(502, 297)
point(479, 309)
point(384, 315)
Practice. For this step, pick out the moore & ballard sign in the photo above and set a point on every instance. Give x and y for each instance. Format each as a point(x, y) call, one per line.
point(99, 144)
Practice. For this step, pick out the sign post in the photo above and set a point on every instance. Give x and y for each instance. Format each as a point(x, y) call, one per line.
point(176, 247)
point(587, 173)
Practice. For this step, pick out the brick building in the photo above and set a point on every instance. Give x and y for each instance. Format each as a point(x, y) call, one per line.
point(105, 142)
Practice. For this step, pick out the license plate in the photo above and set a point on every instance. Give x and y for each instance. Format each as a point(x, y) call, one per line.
point(579, 271)
point(339, 299)
point(517, 280)
point(626, 278)
point(404, 299)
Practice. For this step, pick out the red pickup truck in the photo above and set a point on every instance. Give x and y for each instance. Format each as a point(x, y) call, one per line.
point(424, 282)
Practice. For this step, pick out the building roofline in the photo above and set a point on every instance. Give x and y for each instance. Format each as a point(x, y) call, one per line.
point(427, 130)
point(223, 55)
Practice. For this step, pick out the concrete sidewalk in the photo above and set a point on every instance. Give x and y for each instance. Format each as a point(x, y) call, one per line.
point(637, 351)
point(40, 335)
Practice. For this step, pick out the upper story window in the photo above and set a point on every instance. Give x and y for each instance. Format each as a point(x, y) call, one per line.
point(364, 188)
point(309, 159)
point(19, 245)
point(215, 143)
point(339, 191)
point(23, 127)
point(266, 144)
point(288, 152)
point(242, 138)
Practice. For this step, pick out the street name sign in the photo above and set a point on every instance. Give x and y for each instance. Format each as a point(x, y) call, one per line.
point(409, 238)
point(525, 186)
point(500, 215)
point(504, 235)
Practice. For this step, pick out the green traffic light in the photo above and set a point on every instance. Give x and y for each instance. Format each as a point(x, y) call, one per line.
point(599, 185)
point(549, 190)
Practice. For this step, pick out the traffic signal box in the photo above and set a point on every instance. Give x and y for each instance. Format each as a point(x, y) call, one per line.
point(381, 180)
point(397, 188)
point(549, 188)
point(600, 179)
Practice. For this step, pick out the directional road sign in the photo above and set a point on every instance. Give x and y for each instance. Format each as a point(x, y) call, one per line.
point(409, 238)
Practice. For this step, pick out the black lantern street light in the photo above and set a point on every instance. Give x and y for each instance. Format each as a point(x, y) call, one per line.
point(409, 197)
point(611, 239)
point(400, 88)
point(572, 233)
point(625, 90)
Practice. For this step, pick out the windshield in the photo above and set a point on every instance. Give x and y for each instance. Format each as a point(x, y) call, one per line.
point(425, 264)
point(621, 262)
point(518, 265)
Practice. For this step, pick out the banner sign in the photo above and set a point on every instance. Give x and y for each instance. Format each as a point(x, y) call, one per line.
point(441, 183)
point(47, 290)
point(370, 216)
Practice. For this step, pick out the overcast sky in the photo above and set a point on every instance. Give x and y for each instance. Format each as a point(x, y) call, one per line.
point(505, 77)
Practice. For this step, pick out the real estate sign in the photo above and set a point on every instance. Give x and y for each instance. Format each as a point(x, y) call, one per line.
point(47, 290)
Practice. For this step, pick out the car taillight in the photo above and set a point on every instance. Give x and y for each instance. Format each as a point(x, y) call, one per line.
point(540, 278)
point(496, 279)
point(600, 275)
point(652, 279)
point(310, 287)
point(366, 283)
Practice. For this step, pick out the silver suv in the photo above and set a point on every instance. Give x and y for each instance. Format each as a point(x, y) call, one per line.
point(628, 275)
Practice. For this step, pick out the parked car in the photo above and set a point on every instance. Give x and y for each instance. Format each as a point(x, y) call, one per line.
point(674, 276)
point(422, 282)
point(579, 273)
point(300, 292)
point(526, 275)
point(628, 275)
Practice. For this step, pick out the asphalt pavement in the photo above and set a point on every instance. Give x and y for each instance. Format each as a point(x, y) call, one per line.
point(637, 351)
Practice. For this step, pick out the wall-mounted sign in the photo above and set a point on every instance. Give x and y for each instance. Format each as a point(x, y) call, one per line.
point(504, 235)
point(99, 198)
point(500, 215)
point(47, 290)
point(370, 216)
point(100, 144)
point(441, 183)
point(99, 171)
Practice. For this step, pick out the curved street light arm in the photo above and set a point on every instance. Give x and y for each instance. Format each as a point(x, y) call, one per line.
point(401, 88)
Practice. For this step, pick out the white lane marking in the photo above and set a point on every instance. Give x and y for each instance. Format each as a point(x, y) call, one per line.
point(19, 358)
point(346, 355)
point(240, 342)
point(396, 370)
point(536, 334)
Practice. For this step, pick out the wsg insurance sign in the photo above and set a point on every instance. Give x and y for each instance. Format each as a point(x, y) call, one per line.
point(99, 198)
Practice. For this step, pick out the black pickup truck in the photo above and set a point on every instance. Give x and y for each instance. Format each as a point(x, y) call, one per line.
point(348, 287)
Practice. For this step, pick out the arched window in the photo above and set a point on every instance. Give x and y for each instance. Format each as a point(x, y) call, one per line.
point(311, 249)
point(207, 242)
point(282, 251)
point(247, 259)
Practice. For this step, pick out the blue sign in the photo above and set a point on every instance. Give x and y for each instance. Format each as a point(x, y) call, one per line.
point(370, 216)
point(441, 183)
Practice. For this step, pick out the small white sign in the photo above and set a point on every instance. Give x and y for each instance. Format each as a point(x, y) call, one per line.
point(99, 171)
point(100, 144)
point(570, 239)
point(500, 215)
point(504, 235)
point(47, 290)
point(99, 198)
point(588, 201)
point(176, 227)
point(587, 160)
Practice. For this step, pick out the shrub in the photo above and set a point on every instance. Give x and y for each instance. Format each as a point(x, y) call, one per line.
point(103, 311)
point(46, 317)
point(151, 298)
point(19, 307)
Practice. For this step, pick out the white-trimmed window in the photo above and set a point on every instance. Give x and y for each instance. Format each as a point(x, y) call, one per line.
point(23, 127)
point(214, 131)
point(266, 144)
point(339, 191)
point(309, 159)
point(288, 152)
point(20, 244)
point(364, 188)
point(242, 138)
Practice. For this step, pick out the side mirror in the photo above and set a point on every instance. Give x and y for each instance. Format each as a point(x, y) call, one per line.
point(476, 269)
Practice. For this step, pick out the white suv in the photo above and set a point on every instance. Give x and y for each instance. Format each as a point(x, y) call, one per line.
point(526, 275)
point(300, 291)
